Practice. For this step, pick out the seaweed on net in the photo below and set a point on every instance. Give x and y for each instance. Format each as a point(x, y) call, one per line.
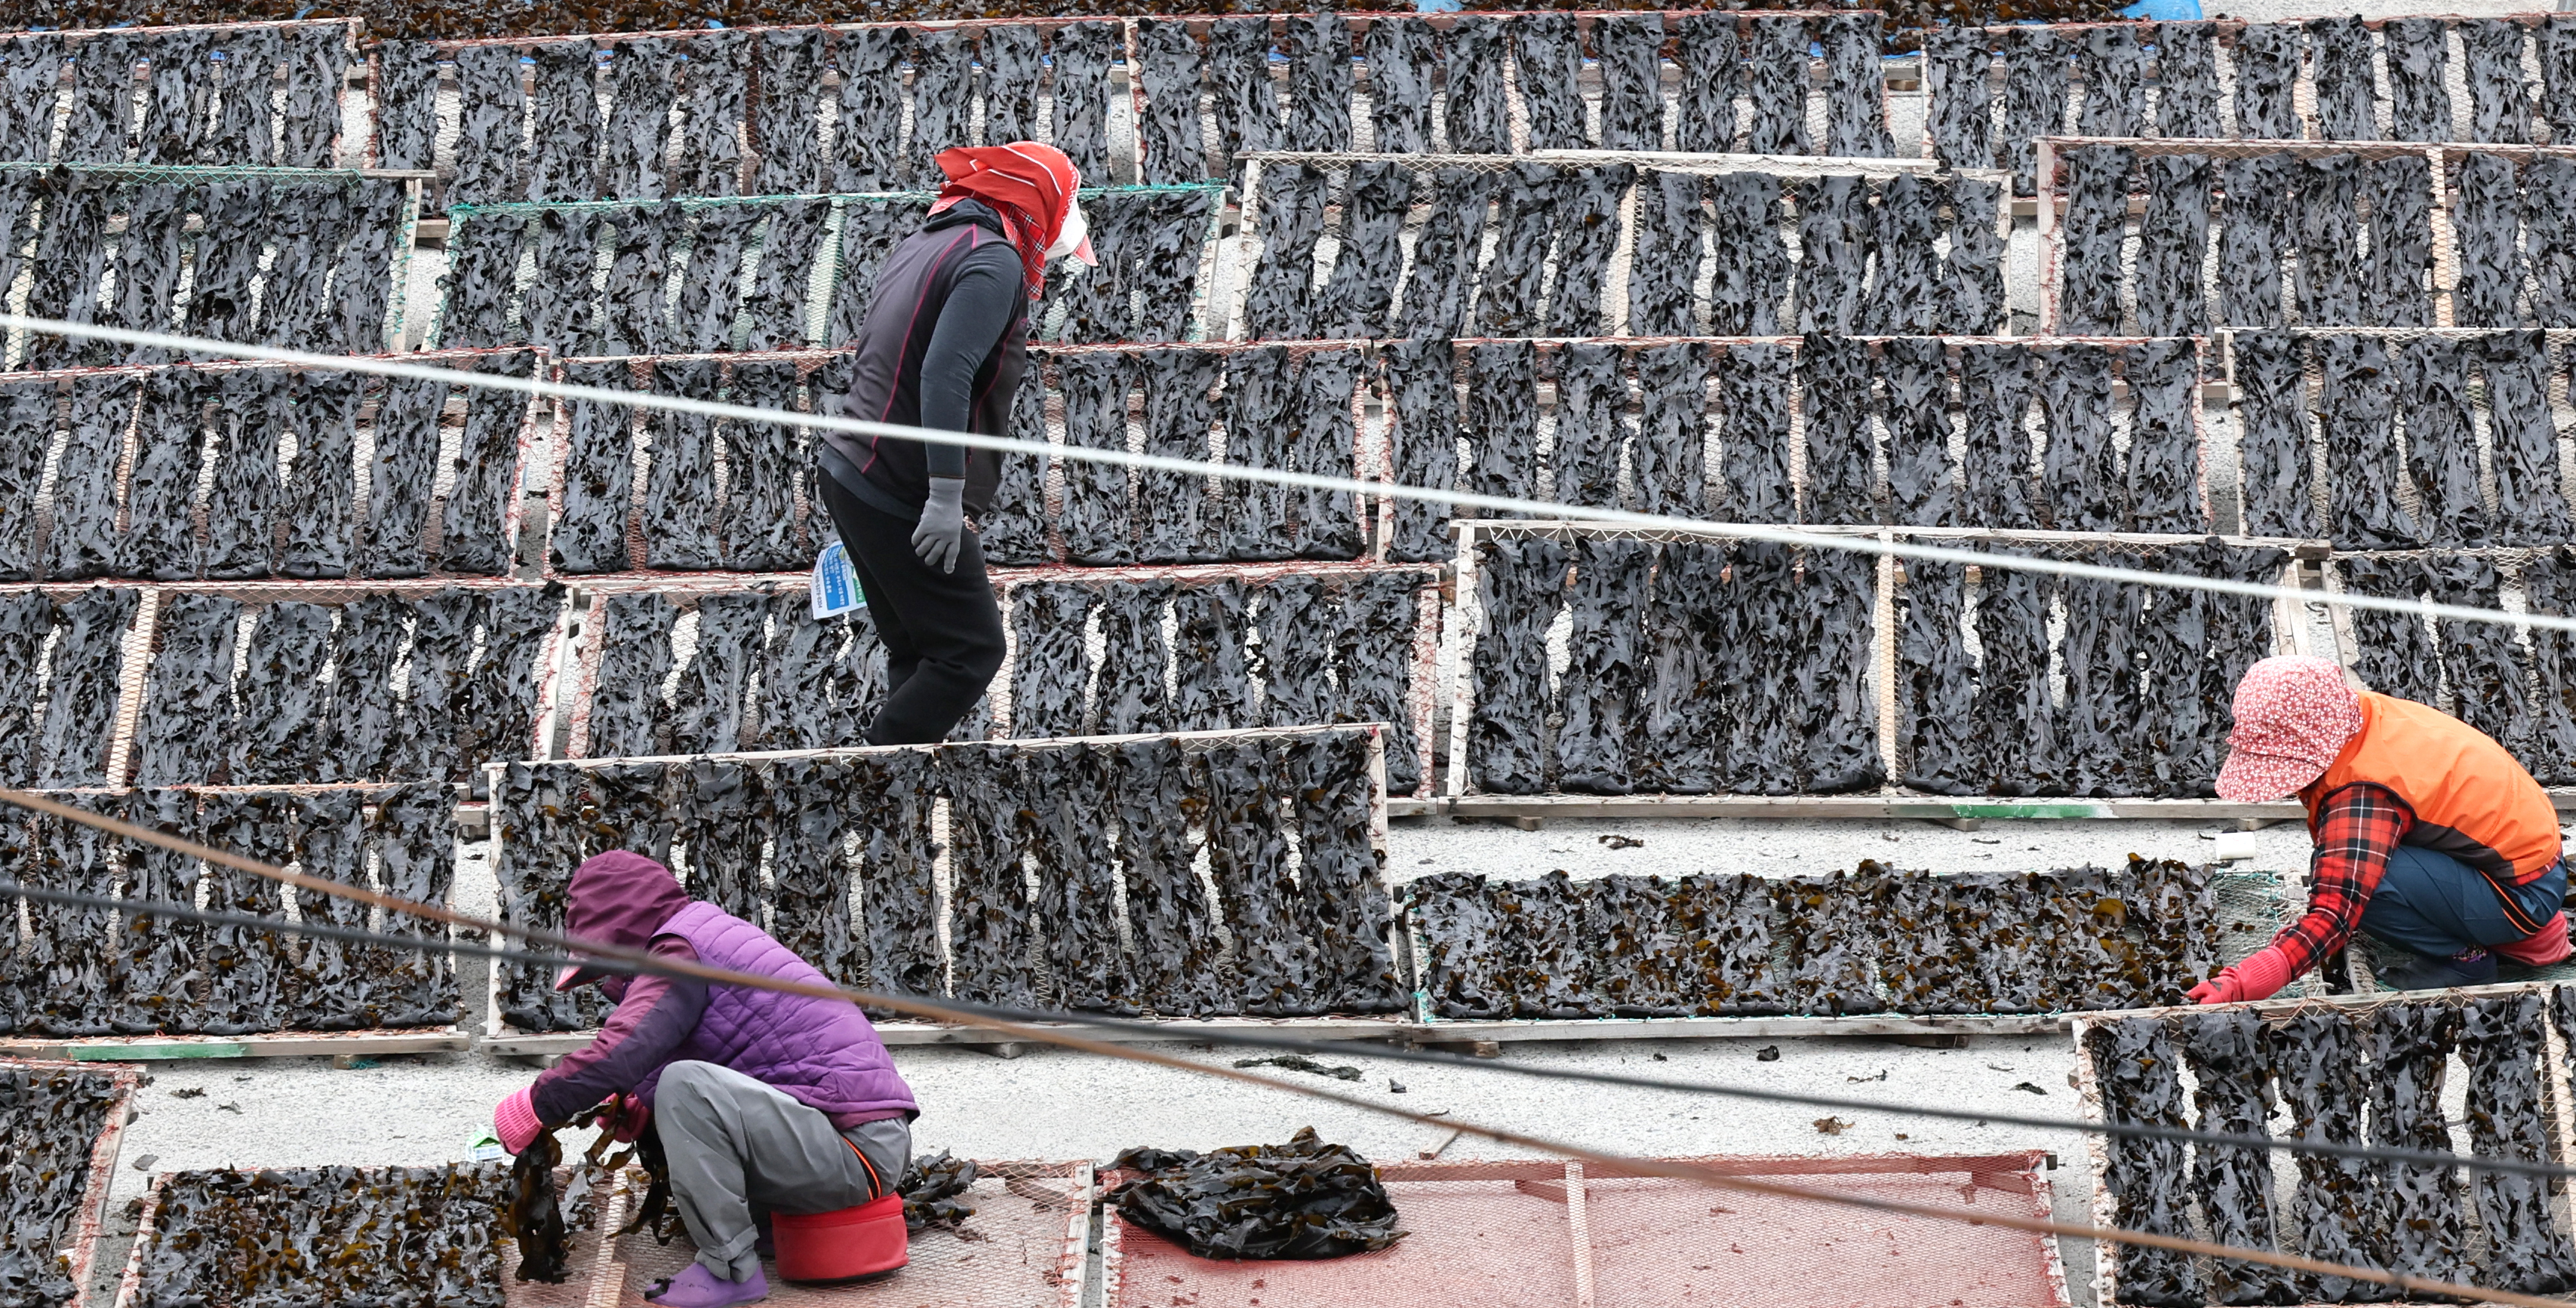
point(1598, 696)
point(1421, 383)
point(1906, 281)
point(2419, 56)
point(1015, 525)
point(681, 522)
point(1400, 56)
point(481, 276)
point(281, 694)
point(890, 805)
point(82, 675)
point(1587, 231)
point(1096, 517)
point(2096, 224)
point(636, 308)
point(803, 804)
point(1453, 915)
point(187, 696)
point(1297, 625)
point(763, 461)
point(1681, 708)
point(1131, 697)
point(359, 727)
point(794, 707)
point(2502, 1041)
point(1159, 257)
point(1832, 936)
point(1547, 58)
point(1361, 288)
point(1077, 896)
point(781, 129)
point(2441, 448)
point(1171, 507)
point(337, 984)
point(2012, 709)
point(413, 839)
point(317, 72)
point(2338, 1205)
point(1437, 286)
point(2549, 237)
point(2549, 586)
point(406, 101)
point(556, 312)
point(1502, 419)
point(2410, 1047)
point(2251, 233)
point(2163, 483)
point(26, 619)
point(155, 973)
point(1754, 389)
point(2530, 507)
point(722, 819)
point(1711, 73)
point(147, 266)
point(1241, 97)
point(65, 971)
point(2112, 65)
point(427, 747)
point(501, 697)
point(636, 140)
point(858, 679)
point(18, 193)
point(707, 704)
point(716, 75)
point(1645, 967)
point(1670, 454)
point(491, 106)
point(2036, 69)
point(1726, 920)
point(1834, 384)
point(308, 229)
point(2103, 714)
point(2357, 407)
point(2134, 1059)
point(1277, 962)
point(27, 422)
point(1943, 751)
point(474, 527)
point(2394, 653)
point(2341, 67)
point(222, 263)
point(2483, 664)
point(1374, 654)
point(404, 466)
point(1591, 399)
point(1855, 89)
point(2272, 445)
point(1050, 664)
point(2240, 634)
point(1841, 750)
point(2329, 220)
point(2080, 474)
point(1212, 687)
point(1629, 50)
point(1973, 283)
point(1319, 82)
point(1520, 584)
point(1279, 302)
point(1833, 253)
point(1958, 64)
point(1768, 635)
point(1508, 296)
point(2499, 98)
point(711, 283)
point(247, 969)
point(1083, 53)
point(539, 820)
point(2267, 68)
point(1328, 521)
point(565, 117)
point(868, 125)
point(1167, 125)
point(588, 532)
point(102, 108)
point(82, 539)
point(1178, 969)
point(1099, 304)
point(1341, 877)
point(1474, 110)
point(2554, 40)
point(2231, 1059)
point(63, 279)
point(2173, 239)
point(2487, 242)
point(2394, 275)
point(1915, 407)
point(31, 70)
point(362, 281)
point(1547, 967)
point(1775, 85)
point(160, 541)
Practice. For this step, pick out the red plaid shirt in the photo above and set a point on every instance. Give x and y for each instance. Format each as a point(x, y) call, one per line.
point(2357, 831)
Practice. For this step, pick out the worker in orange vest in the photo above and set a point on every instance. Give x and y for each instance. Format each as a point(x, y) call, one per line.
point(2429, 836)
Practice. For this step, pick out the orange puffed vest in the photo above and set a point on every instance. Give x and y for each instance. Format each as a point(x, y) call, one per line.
point(2471, 799)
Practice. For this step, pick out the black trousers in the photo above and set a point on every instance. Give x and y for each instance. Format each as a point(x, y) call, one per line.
point(942, 630)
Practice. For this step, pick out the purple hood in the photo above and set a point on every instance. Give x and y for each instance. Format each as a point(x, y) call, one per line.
point(618, 898)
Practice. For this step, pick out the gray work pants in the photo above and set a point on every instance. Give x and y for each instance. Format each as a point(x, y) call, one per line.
point(735, 1144)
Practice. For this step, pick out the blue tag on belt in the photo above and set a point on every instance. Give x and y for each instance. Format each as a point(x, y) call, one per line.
point(836, 583)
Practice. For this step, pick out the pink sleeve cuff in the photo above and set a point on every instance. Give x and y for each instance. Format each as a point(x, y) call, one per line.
point(515, 1121)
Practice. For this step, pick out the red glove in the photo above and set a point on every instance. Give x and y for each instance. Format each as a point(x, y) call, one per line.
point(625, 1117)
point(2220, 989)
point(515, 1121)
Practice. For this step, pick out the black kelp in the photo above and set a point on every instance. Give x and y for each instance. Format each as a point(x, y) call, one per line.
point(1131, 697)
point(1747, 286)
point(680, 521)
point(1958, 64)
point(2395, 651)
point(2396, 275)
point(991, 926)
point(1422, 385)
point(2230, 1057)
point(2252, 229)
point(1669, 461)
point(82, 539)
point(475, 521)
point(1833, 253)
point(2080, 484)
point(2096, 223)
point(2134, 1059)
point(2329, 255)
point(1834, 377)
point(1303, 1199)
point(400, 475)
point(2164, 462)
point(2410, 1047)
point(2357, 406)
point(1943, 753)
point(2012, 709)
point(1680, 711)
point(2036, 71)
point(1754, 388)
point(82, 676)
point(2484, 666)
point(1096, 518)
point(2531, 509)
point(2502, 1041)
point(1520, 584)
point(1375, 660)
point(2339, 1205)
point(1051, 665)
point(1077, 904)
point(1177, 963)
point(2499, 98)
point(1775, 85)
point(187, 696)
point(2486, 242)
point(1997, 383)
point(1274, 958)
point(899, 901)
point(707, 702)
point(1599, 691)
point(1212, 686)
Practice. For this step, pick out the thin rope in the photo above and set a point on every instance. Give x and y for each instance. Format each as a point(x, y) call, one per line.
point(1503, 504)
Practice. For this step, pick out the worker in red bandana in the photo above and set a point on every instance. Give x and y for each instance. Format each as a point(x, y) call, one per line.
point(943, 347)
point(2429, 836)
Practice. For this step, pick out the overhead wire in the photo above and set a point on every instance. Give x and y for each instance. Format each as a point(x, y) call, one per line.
point(1514, 506)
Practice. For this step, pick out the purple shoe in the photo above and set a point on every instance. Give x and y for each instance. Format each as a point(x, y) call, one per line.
point(696, 1287)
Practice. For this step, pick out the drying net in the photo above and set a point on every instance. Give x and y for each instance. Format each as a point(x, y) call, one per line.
point(258, 94)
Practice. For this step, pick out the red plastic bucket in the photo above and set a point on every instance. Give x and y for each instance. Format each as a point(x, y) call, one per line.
point(847, 1244)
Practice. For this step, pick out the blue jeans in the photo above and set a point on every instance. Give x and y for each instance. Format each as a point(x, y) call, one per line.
point(2435, 904)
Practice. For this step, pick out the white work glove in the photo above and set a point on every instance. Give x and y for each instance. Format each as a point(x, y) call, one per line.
point(943, 520)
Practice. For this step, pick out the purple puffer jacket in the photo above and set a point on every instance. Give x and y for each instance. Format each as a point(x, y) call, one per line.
point(821, 1051)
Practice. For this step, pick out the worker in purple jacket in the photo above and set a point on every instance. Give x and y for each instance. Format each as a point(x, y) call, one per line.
point(762, 1100)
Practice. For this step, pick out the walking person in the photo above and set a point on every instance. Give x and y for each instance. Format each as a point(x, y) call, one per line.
point(943, 346)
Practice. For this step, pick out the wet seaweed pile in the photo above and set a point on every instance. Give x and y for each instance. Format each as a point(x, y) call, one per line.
point(260, 515)
point(2147, 677)
point(1293, 650)
point(2521, 693)
point(1299, 924)
point(1302, 1199)
point(2372, 1077)
point(50, 1122)
point(1873, 940)
point(399, 1236)
point(96, 972)
point(316, 696)
point(1665, 689)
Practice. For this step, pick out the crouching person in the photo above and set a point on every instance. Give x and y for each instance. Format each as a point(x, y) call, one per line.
point(765, 1103)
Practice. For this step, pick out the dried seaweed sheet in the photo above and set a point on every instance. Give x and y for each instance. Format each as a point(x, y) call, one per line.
point(636, 147)
point(1841, 752)
point(1212, 687)
point(556, 312)
point(2394, 653)
point(992, 931)
point(2549, 239)
point(2441, 447)
point(1855, 88)
point(82, 674)
point(2531, 509)
point(2357, 408)
point(681, 523)
point(1599, 690)
point(2499, 98)
point(1520, 584)
point(763, 463)
point(71, 258)
point(1915, 408)
point(1168, 66)
point(223, 265)
point(65, 972)
point(2096, 224)
point(1422, 390)
point(147, 267)
point(2036, 70)
point(1973, 288)
point(1319, 82)
point(1680, 713)
point(565, 118)
point(475, 291)
point(1588, 207)
point(1171, 508)
point(1278, 302)
point(1015, 525)
point(1242, 98)
point(1077, 904)
point(187, 697)
point(1775, 85)
point(1475, 113)
point(492, 105)
point(155, 975)
point(1832, 936)
point(588, 530)
point(1400, 55)
point(2338, 1205)
point(31, 70)
point(101, 121)
point(710, 296)
point(2486, 242)
point(1361, 287)
point(891, 804)
point(1710, 77)
point(281, 694)
point(1083, 54)
point(1445, 253)
point(27, 423)
point(2501, 1040)
point(2549, 586)
point(636, 303)
point(2230, 1057)
point(1591, 396)
point(1509, 295)
point(1547, 966)
point(1754, 388)
point(363, 713)
point(707, 702)
point(710, 151)
point(1769, 633)
point(1833, 253)
point(1943, 753)
point(336, 984)
point(246, 969)
point(1050, 663)
point(1131, 697)
point(2138, 1071)
point(2340, 66)
point(1629, 52)
point(1375, 660)
point(1463, 945)
point(1906, 277)
point(428, 746)
point(2012, 710)
point(1668, 463)
point(2482, 663)
point(2394, 288)
point(475, 522)
point(2419, 56)
point(1958, 68)
point(2163, 481)
point(2080, 482)
point(2410, 1045)
point(1178, 969)
point(2173, 240)
point(1277, 963)
point(402, 471)
point(782, 127)
point(2251, 232)
point(1548, 59)
point(501, 697)
point(161, 485)
point(1096, 517)
point(26, 619)
point(2111, 64)
point(2273, 448)
point(2329, 223)
point(1502, 419)
point(317, 74)
point(1834, 376)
